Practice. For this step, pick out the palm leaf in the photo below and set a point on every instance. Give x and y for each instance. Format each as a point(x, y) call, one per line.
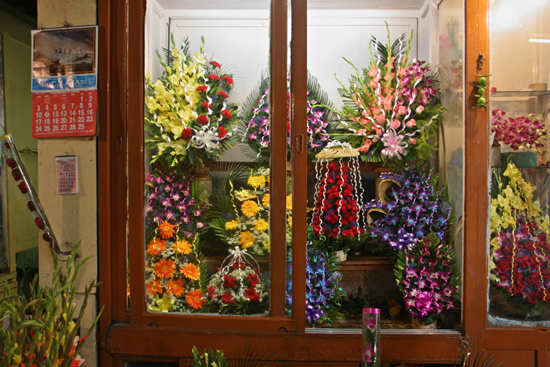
point(255, 356)
point(482, 360)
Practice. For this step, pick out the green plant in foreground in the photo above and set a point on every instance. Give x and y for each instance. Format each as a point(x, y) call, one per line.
point(208, 358)
point(42, 331)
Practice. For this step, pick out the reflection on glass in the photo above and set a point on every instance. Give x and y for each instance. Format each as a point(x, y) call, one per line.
point(389, 108)
point(519, 293)
point(207, 241)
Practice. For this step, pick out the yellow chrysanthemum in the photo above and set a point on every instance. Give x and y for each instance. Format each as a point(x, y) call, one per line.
point(265, 200)
point(250, 208)
point(247, 239)
point(182, 247)
point(261, 225)
point(256, 181)
point(231, 225)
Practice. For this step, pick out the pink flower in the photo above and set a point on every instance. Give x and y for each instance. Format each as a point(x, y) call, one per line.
point(419, 109)
point(411, 123)
point(402, 110)
point(395, 124)
point(380, 118)
point(394, 145)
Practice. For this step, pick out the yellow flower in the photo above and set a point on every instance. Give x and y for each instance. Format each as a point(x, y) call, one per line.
point(231, 225)
point(261, 225)
point(290, 221)
point(247, 239)
point(289, 202)
point(265, 200)
point(256, 181)
point(250, 208)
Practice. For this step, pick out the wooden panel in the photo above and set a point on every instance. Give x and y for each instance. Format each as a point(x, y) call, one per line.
point(515, 358)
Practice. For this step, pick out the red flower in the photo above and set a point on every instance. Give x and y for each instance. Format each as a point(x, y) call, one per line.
point(202, 88)
point(211, 292)
point(227, 113)
point(202, 119)
point(222, 132)
point(223, 94)
point(251, 294)
point(229, 281)
point(253, 278)
point(214, 63)
point(31, 206)
point(23, 187)
point(16, 174)
point(227, 298)
point(39, 223)
point(205, 104)
point(11, 162)
point(187, 133)
point(46, 238)
point(228, 80)
point(214, 77)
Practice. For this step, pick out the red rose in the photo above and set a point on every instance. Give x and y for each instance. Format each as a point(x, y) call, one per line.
point(251, 294)
point(11, 162)
point(187, 133)
point(16, 174)
point(253, 278)
point(202, 88)
point(222, 132)
point(214, 63)
point(39, 223)
point(223, 94)
point(23, 187)
point(229, 281)
point(227, 113)
point(227, 298)
point(204, 104)
point(202, 119)
point(214, 77)
point(31, 206)
point(227, 80)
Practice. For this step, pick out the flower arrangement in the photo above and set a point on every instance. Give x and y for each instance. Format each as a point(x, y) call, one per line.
point(43, 331)
point(337, 218)
point(391, 109)
point(427, 275)
point(174, 271)
point(255, 120)
point(248, 225)
point(237, 287)
point(520, 250)
point(523, 132)
point(188, 115)
point(323, 288)
point(412, 207)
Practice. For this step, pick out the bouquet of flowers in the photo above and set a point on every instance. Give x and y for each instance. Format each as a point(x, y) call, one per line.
point(412, 207)
point(174, 271)
point(237, 287)
point(248, 224)
point(428, 276)
point(520, 250)
point(188, 114)
point(523, 132)
point(255, 120)
point(391, 108)
point(323, 286)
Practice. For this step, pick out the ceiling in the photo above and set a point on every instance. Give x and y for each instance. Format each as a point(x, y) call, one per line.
point(312, 4)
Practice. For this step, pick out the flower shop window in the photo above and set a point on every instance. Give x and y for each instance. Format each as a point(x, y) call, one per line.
point(384, 163)
point(519, 223)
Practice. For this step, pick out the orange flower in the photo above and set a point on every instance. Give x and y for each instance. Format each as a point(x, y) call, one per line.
point(191, 271)
point(247, 239)
point(166, 230)
point(175, 287)
point(156, 246)
point(195, 299)
point(265, 200)
point(249, 208)
point(165, 268)
point(154, 286)
point(182, 247)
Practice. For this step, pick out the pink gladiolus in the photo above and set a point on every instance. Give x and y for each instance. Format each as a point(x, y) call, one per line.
point(380, 118)
point(402, 110)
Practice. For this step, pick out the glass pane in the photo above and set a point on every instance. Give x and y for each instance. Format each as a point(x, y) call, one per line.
point(383, 221)
point(519, 292)
point(207, 240)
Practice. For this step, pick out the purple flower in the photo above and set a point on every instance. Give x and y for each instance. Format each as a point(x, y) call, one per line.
point(370, 323)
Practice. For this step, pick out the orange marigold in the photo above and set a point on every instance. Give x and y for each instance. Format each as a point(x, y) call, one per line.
point(182, 247)
point(165, 268)
point(175, 287)
point(166, 230)
point(195, 299)
point(154, 286)
point(156, 246)
point(191, 271)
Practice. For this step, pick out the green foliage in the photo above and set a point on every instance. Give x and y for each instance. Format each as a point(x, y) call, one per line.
point(255, 356)
point(354, 304)
point(42, 329)
point(208, 358)
point(482, 360)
